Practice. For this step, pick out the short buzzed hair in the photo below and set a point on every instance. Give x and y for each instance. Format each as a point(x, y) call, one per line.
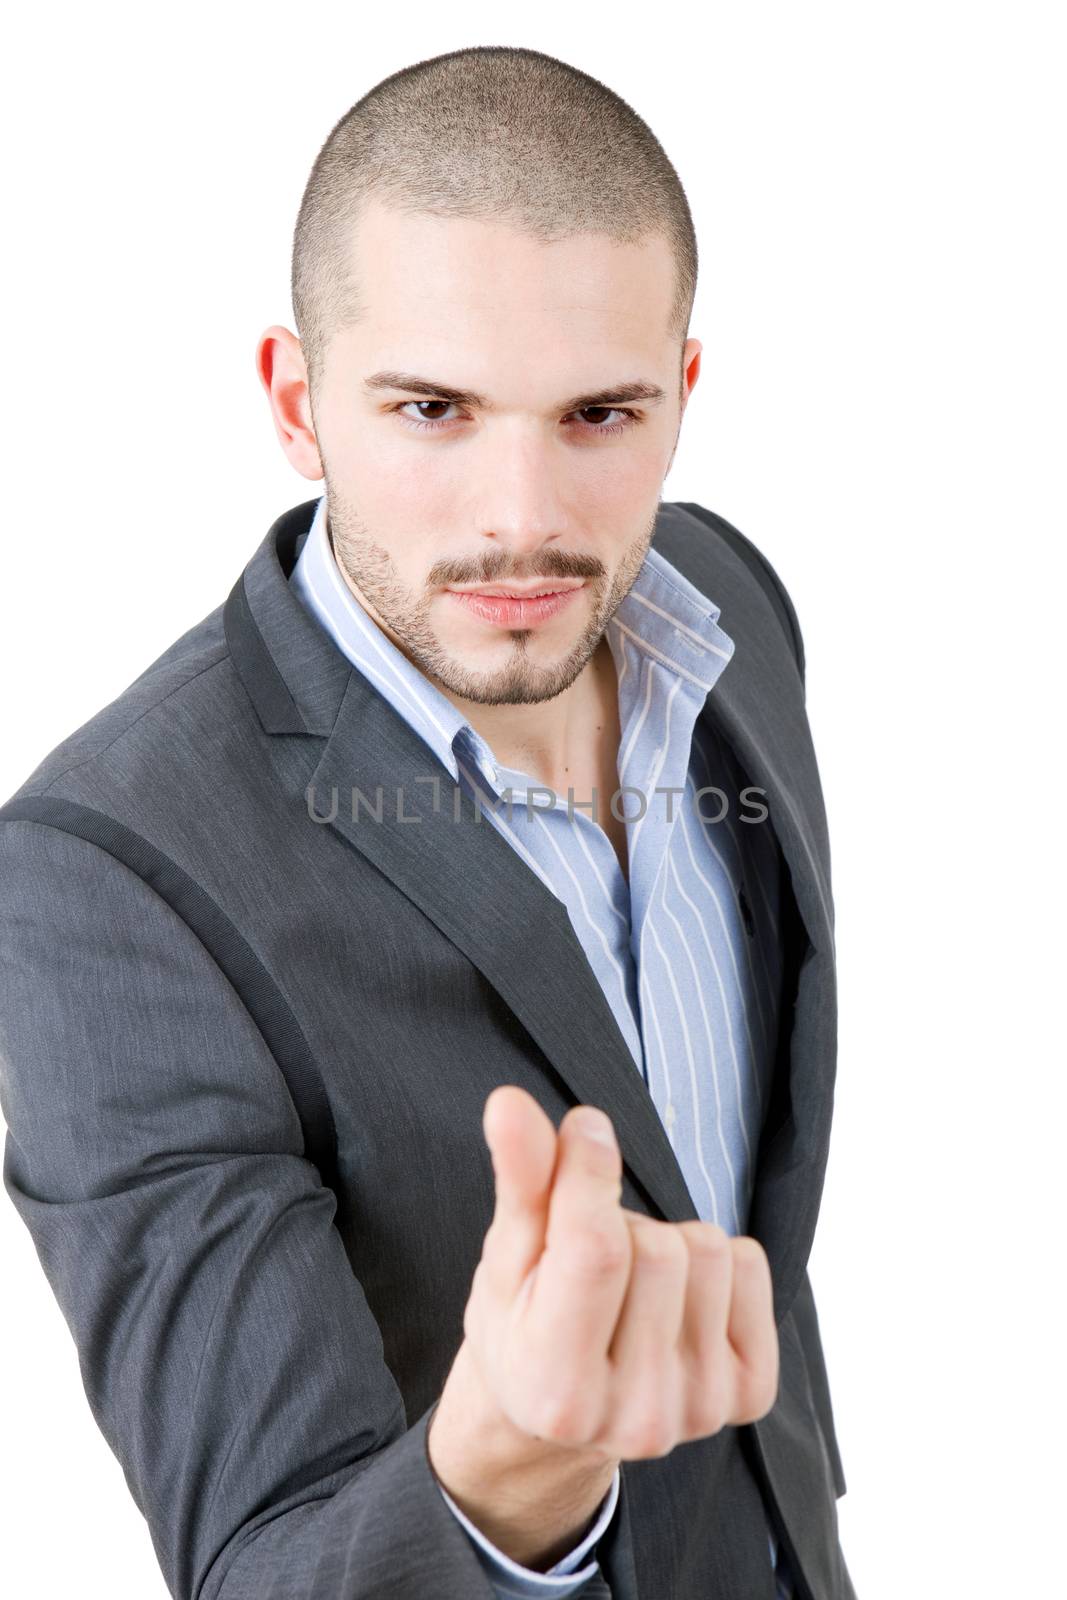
point(494, 131)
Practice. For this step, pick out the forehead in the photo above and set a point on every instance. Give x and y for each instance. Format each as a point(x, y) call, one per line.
point(463, 277)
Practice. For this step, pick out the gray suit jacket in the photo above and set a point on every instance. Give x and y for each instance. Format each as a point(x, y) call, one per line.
point(244, 1058)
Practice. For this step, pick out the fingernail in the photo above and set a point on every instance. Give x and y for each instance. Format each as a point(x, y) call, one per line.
point(596, 1125)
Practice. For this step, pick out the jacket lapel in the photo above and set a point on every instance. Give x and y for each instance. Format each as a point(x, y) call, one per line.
point(474, 887)
point(431, 842)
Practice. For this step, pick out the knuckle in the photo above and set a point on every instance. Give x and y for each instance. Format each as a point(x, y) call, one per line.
point(597, 1249)
point(706, 1240)
point(660, 1246)
point(649, 1434)
point(749, 1254)
point(710, 1410)
point(712, 1417)
point(649, 1423)
point(757, 1392)
point(561, 1416)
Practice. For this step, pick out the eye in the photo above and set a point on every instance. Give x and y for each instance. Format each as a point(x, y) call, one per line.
point(427, 424)
point(433, 422)
point(614, 427)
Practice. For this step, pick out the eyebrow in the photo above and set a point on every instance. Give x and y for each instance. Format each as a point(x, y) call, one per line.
point(410, 383)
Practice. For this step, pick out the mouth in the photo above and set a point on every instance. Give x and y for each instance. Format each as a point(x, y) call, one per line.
point(507, 606)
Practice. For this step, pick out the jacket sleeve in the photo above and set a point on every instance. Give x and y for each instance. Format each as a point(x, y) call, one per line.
point(568, 1576)
point(227, 1350)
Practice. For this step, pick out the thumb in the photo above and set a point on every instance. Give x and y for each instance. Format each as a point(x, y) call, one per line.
point(522, 1142)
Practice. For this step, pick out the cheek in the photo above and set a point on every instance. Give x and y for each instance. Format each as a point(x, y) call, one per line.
point(608, 487)
point(635, 473)
point(411, 489)
point(397, 499)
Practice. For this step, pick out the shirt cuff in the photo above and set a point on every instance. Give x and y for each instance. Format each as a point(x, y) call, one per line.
point(514, 1582)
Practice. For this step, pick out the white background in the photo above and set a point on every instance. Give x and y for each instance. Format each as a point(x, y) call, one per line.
point(878, 195)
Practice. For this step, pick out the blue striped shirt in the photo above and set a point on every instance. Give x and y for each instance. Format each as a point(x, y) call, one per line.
point(688, 952)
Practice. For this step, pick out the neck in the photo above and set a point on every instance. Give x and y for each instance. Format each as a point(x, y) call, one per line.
point(557, 739)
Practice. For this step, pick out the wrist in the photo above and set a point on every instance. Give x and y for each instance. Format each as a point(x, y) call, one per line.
point(531, 1498)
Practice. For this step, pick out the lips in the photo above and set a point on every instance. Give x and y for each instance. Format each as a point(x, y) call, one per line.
point(509, 610)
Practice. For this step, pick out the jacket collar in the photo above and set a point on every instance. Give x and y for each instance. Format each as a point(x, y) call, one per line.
point(521, 937)
point(293, 672)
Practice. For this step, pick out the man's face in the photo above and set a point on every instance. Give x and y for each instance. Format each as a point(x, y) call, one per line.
point(519, 486)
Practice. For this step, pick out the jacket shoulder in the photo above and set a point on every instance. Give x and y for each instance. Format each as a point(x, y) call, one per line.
point(161, 692)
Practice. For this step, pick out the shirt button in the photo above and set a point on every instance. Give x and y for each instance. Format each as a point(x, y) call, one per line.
point(671, 1115)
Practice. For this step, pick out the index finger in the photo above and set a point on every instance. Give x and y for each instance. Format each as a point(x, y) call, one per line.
point(581, 1279)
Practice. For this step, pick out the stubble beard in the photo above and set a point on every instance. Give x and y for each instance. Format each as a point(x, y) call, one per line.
point(519, 681)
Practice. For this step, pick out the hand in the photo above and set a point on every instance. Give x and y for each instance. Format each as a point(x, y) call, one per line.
point(600, 1329)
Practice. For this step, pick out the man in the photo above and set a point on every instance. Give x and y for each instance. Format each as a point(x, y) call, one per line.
point(326, 942)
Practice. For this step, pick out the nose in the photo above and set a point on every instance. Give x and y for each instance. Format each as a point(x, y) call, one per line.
point(524, 507)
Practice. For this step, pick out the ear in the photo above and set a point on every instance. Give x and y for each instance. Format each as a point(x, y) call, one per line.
point(690, 368)
point(283, 373)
